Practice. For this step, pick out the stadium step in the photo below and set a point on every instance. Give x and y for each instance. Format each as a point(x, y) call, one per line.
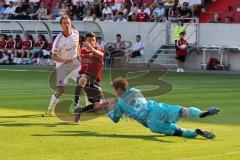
point(165, 56)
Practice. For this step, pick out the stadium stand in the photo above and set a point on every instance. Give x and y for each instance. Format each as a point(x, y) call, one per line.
point(227, 9)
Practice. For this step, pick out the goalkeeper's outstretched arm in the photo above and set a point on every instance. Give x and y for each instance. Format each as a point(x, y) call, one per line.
point(115, 114)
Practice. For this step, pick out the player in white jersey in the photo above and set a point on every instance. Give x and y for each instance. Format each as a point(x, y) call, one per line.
point(65, 51)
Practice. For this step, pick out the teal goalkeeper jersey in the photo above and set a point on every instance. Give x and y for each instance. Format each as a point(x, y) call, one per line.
point(133, 104)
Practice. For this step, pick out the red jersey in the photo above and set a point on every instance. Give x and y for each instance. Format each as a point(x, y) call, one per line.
point(181, 52)
point(110, 2)
point(39, 44)
point(10, 44)
point(91, 64)
point(3, 44)
point(49, 47)
point(142, 17)
point(27, 44)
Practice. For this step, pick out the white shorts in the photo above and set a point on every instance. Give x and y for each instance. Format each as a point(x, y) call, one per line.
point(46, 52)
point(66, 72)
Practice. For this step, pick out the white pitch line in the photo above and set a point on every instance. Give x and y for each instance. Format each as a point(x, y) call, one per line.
point(212, 156)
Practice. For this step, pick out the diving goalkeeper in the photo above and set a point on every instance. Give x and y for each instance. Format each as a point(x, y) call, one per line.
point(158, 117)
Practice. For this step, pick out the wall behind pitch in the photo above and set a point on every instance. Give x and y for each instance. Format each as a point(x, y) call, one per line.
point(153, 34)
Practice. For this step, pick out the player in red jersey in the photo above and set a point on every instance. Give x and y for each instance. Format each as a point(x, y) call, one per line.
point(90, 75)
point(3, 43)
point(10, 47)
point(26, 47)
point(38, 46)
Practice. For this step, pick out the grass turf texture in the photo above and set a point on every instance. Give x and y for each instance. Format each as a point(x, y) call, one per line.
point(24, 94)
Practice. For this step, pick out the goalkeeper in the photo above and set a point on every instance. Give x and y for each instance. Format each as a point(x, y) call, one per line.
point(158, 117)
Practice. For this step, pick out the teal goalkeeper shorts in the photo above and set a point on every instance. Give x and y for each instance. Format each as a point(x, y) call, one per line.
point(162, 117)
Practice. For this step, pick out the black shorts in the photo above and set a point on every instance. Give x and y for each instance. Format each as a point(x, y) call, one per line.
point(181, 58)
point(92, 89)
point(135, 54)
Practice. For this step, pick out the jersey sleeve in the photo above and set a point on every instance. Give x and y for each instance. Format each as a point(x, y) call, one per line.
point(116, 114)
point(56, 46)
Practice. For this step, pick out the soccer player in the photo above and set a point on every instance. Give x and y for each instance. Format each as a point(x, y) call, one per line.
point(9, 50)
point(65, 50)
point(3, 44)
point(158, 117)
point(181, 52)
point(90, 75)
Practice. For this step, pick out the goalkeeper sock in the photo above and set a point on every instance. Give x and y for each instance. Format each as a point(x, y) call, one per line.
point(194, 112)
point(185, 133)
point(189, 133)
point(53, 101)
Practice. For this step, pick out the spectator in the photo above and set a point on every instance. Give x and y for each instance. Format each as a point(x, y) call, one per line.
point(63, 10)
point(55, 10)
point(108, 18)
point(134, 9)
point(181, 52)
point(78, 11)
point(42, 12)
point(94, 16)
point(2, 7)
point(20, 12)
point(155, 18)
point(106, 10)
point(118, 4)
point(146, 9)
point(172, 12)
point(184, 11)
point(100, 42)
point(216, 19)
point(138, 50)
point(142, 16)
point(110, 2)
point(160, 10)
point(88, 17)
point(121, 18)
point(10, 10)
point(32, 11)
point(228, 20)
point(116, 49)
point(2, 16)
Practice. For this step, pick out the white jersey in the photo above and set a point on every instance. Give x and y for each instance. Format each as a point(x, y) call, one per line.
point(139, 45)
point(66, 47)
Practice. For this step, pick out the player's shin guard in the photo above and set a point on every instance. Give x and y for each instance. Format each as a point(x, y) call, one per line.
point(193, 112)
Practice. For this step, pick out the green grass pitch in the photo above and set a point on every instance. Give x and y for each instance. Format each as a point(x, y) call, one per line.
point(24, 94)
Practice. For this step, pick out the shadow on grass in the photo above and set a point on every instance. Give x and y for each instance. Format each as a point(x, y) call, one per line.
point(95, 134)
point(6, 124)
point(23, 116)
